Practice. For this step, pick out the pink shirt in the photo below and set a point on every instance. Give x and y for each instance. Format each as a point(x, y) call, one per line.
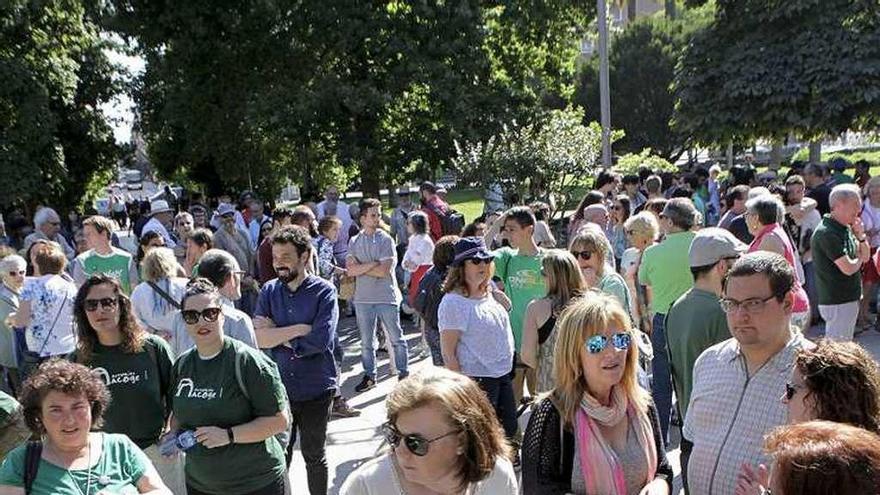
point(801, 302)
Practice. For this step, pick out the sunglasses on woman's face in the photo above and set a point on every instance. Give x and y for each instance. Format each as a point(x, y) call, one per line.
point(191, 316)
point(106, 303)
point(597, 343)
point(414, 442)
point(478, 261)
point(791, 389)
point(18, 273)
point(585, 255)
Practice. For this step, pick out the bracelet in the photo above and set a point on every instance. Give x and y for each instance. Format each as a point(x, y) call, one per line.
point(231, 436)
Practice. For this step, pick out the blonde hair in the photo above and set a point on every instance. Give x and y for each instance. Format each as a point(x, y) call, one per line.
point(159, 263)
point(465, 406)
point(591, 238)
point(564, 279)
point(583, 318)
point(643, 225)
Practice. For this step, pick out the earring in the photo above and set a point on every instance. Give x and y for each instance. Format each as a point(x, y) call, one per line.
point(460, 451)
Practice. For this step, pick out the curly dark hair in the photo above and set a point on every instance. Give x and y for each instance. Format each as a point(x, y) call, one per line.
point(133, 335)
point(69, 378)
point(843, 383)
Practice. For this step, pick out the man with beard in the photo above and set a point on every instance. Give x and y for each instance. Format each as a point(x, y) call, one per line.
point(295, 322)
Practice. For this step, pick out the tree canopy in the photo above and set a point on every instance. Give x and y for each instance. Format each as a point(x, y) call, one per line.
point(764, 69)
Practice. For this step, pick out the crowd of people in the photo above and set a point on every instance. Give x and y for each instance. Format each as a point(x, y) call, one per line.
point(663, 301)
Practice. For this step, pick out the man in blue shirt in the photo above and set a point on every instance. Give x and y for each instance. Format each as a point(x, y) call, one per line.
point(295, 321)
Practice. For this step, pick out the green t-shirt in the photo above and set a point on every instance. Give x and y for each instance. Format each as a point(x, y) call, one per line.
point(206, 392)
point(121, 462)
point(666, 269)
point(613, 285)
point(119, 265)
point(523, 283)
point(841, 178)
point(695, 323)
point(139, 385)
point(830, 241)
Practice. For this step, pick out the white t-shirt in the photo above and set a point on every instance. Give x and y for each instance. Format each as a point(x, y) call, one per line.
point(51, 329)
point(152, 310)
point(379, 477)
point(485, 348)
point(419, 251)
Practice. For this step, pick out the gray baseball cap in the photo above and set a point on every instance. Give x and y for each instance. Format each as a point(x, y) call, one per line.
point(713, 244)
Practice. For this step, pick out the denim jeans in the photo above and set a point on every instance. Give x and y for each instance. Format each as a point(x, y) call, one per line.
point(661, 380)
point(500, 393)
point(309, 419)
point(367, 314)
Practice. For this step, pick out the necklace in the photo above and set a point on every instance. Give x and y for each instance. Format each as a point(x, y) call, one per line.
point(88, 474)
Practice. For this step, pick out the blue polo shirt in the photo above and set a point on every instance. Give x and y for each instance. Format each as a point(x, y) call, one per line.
point(306, 363)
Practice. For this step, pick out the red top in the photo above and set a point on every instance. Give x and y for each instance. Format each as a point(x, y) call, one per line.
point(265, 269)
point(431, 208)
point(801, 301)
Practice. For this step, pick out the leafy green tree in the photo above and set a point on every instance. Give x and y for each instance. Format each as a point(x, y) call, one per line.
point(642, 60)
point(767, 69)
point(54, 139)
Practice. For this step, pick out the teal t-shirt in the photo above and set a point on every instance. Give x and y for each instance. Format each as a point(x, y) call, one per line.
point(121, 463)
point(205, 392)
point(666, 269)
point(523, 284)
point(139, 385)
point(119, 265)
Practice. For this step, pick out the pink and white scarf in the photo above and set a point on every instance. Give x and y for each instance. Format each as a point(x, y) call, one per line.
point(603, 474)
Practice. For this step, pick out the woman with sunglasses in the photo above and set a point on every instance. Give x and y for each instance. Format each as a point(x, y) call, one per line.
point(620, 212)
point(475, 335)
point(834, 381)
point(444, 438)
point(595, 259)
point(12, 273)
point(641, 231)
point(134, 365)
point(564, 282)
point(229, 398)
point(597, 432)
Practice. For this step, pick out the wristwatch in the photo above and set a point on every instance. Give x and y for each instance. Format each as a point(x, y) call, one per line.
point(231, 436)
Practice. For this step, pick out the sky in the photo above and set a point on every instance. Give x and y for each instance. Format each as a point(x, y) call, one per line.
point(120, 111)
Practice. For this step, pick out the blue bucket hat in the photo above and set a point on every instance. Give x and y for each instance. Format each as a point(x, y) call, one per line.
point(470, 248)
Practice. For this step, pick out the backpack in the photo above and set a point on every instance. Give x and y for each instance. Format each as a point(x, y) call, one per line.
point(451, 221)
point(32, 454)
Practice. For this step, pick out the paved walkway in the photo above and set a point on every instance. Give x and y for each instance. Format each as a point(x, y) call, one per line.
point(352, 441)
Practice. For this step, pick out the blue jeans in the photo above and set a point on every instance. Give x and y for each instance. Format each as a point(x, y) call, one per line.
point(366, 320)
point(810, 287)
point(661, 381)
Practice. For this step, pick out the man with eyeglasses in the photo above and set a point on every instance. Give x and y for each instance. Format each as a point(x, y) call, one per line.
point(222, 270)
point(665, 269)
point(738, 383)
point(696, 321)
point(47, 225)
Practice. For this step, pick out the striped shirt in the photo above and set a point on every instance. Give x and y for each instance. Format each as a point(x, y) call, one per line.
point(730, 412)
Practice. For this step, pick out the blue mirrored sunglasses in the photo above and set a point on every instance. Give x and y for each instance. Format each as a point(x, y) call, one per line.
point(597, 343)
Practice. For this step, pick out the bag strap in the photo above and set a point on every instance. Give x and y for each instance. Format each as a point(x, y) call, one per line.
point(238, 359)
point(32, 454)
point(52, 330)
point(164, 294)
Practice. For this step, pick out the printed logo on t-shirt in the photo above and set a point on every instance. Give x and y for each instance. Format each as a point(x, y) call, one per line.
point(196, 393)
point(525, 278)
point(123, 378)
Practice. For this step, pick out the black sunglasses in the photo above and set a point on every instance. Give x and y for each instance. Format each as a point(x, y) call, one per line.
point(106, 303)
point(16, 273)
point(191, 316)
point(791, 389)
point(479, 261)
point(585, 255)
point(415, 443)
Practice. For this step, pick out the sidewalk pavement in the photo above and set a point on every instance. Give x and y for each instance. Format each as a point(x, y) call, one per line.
point(353, 441)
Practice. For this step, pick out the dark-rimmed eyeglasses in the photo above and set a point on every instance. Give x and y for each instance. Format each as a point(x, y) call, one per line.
point(791, 389)
point(414, 442)
point(191, 316)
point(16, 273)
point(597, 343)
point(585, 255)
point(751, 306)
point(107, 303)
point(479, 261)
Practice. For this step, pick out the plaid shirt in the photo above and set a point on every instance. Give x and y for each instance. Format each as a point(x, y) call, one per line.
point(730, 412)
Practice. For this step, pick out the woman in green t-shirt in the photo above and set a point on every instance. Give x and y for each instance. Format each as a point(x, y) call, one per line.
point(63, 402)
point(134, 365)
point(231, 398)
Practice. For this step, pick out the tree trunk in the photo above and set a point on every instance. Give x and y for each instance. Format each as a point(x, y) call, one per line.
point(776, 155)
point(730, 156)
point(631, 10)
point(816, 151)
point(670, 9)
